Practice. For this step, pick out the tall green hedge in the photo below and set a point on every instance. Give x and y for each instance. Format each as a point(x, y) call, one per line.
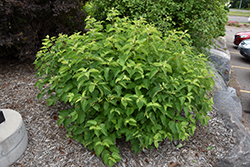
point(204, 19)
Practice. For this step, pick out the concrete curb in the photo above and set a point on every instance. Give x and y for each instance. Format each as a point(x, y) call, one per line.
point(13, 137)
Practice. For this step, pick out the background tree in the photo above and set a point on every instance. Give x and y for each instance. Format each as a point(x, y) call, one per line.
point(23, 24)
point(236, 4)
point(204, 20)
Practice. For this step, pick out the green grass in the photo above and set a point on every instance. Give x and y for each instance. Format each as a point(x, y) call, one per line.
point(237, 13)
point(244, 22)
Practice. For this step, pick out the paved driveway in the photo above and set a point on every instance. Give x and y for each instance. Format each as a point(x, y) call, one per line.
point(239, 10)
point(238, 18)
point(241, 68)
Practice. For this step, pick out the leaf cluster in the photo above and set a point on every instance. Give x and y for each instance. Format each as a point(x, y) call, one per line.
point(204, 20)
point(125, 81)
point(238, 3)
point(23, 24)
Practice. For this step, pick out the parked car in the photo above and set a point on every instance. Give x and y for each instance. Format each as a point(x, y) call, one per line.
point(240, 36)
point(244, 48)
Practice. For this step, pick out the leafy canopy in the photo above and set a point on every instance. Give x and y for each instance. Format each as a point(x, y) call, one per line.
point(125, 80)
point(23, 24)
point(204, 20)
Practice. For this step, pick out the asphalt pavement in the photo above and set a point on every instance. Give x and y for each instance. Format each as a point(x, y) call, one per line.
point(241, 68)
point(240, 10)
point(239, 18)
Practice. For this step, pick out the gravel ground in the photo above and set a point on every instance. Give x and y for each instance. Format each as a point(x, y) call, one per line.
point(49, 147)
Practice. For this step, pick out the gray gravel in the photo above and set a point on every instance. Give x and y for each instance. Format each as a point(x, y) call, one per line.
point(49, 147)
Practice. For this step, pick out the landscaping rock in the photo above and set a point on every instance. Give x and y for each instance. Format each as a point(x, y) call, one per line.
point(228, 103)
point(221, 62)
point(230, 110)
point(219, 83)
point(239, 156)
point(221, 45)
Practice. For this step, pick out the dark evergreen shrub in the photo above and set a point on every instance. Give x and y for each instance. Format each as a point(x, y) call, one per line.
point(23, 23)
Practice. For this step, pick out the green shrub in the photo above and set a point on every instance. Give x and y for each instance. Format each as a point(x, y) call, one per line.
point(204, 20)
point(125, 80)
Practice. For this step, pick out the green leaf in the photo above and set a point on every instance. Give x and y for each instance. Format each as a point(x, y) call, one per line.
point(105, 156)
point(152, 119)
point(118, 89)
point(40, 95)
point(111, 161)
point(64, 113)
point(172, 126)
point(91, 87)
point(67, 87)
point(67, 121)
point(210, 148)
point(164, 120)
point(141, 101)
point(63, 69)
point(179, 118)
point(107, 142)
point(170, 113)
point(98, 150)
point(96, 131)
point(116, 156)
point(84, 105)
point(135, 146)
point(65, 97)
point(50, 102)
point(152, 73)
point(81, 117)
point(156, 143)
point(129, 111)
point(79, 130)
point(184, 123)
point(157, 136)
point(179, 145)
point(74, 116)
point(60, 121)
point(182, 100)
point(40, 86)
point(190, 87)
point(146, 83)
point(113, 148)
point(104, 129)
point(155, 91)
point(169, 136)
point(152, 104)
point(91, 122)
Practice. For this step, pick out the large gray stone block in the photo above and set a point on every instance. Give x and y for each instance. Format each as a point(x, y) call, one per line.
point(228, 103)
point(230, 110)
point(221, 45)
point(219, 83)
point(221, 62)
point(239, 156)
